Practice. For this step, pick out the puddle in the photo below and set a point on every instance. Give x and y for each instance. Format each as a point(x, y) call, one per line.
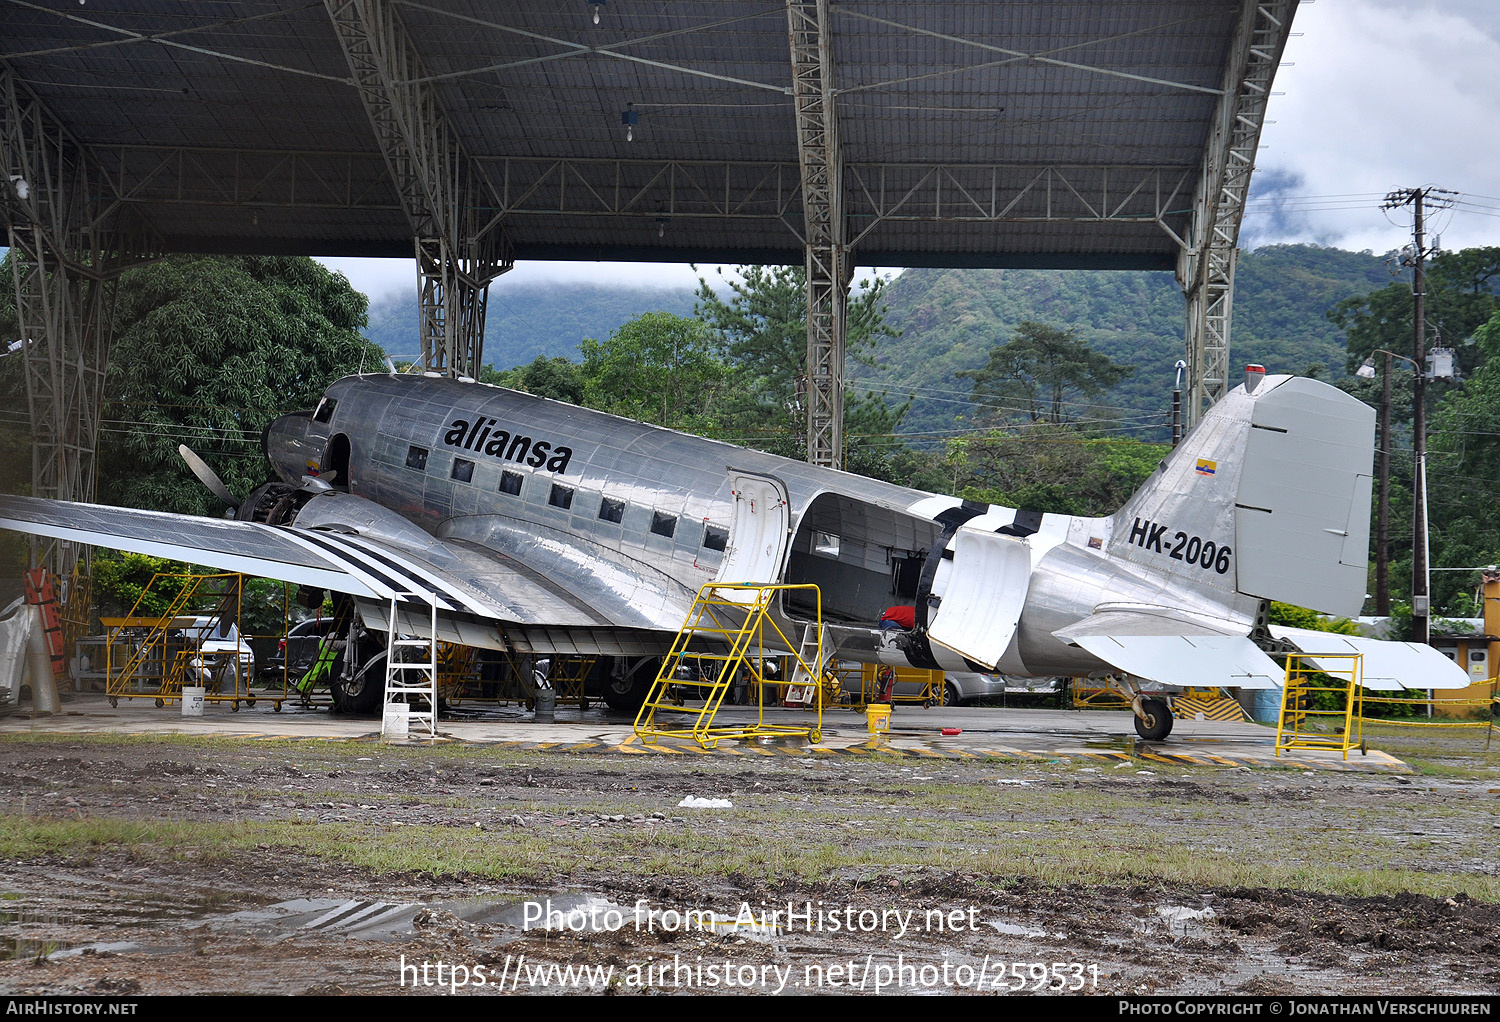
point(1014, 930)
point(108, 947)
point(68, 928)
point(16, 949)
point(565, 913)
point(1180, 920)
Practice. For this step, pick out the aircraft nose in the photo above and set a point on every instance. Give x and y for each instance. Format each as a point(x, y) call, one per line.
point(286, 443)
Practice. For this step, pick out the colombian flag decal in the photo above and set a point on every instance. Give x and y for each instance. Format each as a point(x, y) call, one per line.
point(1206, 467)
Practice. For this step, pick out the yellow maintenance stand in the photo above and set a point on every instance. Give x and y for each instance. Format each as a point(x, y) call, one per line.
point(733, 630)
point(1301, 725)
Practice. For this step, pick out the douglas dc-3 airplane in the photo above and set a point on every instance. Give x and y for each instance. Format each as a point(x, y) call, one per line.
point(543, 527)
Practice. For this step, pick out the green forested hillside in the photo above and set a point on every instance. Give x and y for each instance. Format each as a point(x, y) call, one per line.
point(951, 318)
point(535, 319)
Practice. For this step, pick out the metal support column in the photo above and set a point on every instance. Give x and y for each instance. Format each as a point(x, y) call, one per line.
point(827, 261)
point(1205, 267)
point(461, 244)
point(69, 240)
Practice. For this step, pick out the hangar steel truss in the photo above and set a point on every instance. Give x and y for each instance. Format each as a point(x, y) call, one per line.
point(1035, 133)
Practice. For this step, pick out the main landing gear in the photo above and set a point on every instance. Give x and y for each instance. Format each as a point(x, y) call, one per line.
point(1153, 716)
point(1153, 719)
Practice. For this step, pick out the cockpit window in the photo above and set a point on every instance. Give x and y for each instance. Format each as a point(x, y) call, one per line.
point(325, 409)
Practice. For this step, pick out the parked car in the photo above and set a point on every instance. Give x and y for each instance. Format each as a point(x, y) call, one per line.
point(297, 651)
point(224, 657)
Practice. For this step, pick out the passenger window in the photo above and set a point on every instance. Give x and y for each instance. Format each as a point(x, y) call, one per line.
point(611, 510)
point(562, 496)
point(510, 482)
point(663, 524)
point(463, 470)
point(715, 538)
point(416, 457)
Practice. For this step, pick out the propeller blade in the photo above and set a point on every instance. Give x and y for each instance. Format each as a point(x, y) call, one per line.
point(207, 476)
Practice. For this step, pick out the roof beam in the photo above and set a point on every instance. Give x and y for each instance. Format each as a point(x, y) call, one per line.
point(1205, 266)
point(874, 193)
point(461, 244)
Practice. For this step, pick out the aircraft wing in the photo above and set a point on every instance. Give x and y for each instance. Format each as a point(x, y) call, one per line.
point(1174, 649)
point(493, 587)
point(1387, 666)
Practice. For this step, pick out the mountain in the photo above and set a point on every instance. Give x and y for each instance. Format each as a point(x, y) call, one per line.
point(951, 318)
point(534, 319)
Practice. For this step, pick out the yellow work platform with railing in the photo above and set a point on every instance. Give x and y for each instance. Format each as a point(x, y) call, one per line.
point(729, 632)
point(154, 656)
point(1330, 678)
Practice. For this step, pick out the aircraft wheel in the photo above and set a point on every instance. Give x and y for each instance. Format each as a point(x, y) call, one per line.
point(363, 693)
point(1155, 723)
point(629, 691)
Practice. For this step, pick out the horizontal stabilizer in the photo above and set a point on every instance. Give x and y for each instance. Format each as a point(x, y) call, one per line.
point(1174, 648)
point(1387, 666)
point(1197, 661)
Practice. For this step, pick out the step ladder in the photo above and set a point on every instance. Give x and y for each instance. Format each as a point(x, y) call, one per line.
point(729, 631)
point(411, 672)
point(811, 667)
point(1338, 724)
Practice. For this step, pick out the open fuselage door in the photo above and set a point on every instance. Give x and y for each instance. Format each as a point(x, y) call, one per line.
point(980, 607)
point(758, 534)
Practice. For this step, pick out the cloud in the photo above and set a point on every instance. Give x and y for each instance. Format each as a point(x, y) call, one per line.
point(1383, 95)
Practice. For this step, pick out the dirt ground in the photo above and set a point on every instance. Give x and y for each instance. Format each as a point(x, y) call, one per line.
point(187, 866)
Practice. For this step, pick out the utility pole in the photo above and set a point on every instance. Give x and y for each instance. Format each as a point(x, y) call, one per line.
point(1421, 608)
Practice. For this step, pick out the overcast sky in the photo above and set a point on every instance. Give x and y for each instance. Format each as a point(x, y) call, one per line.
point(1379, 94)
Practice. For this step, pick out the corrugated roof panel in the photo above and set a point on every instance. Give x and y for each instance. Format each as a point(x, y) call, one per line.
point(977, 86)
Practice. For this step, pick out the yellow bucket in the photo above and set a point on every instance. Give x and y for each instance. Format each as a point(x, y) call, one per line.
point(878, 716)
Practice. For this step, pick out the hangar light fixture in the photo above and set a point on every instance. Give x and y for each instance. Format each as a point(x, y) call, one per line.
point(23, 189)
point(630, 119)
point(596, 6)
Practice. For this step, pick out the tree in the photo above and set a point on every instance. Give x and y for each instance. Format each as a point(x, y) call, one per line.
point(1463, 468)
point(1047, 467)
point(1461, 297)
point(207, 351)
point(657, 367)
point(1464, 477)
point(554, 377)
point(761, 331)
point(1035, 371)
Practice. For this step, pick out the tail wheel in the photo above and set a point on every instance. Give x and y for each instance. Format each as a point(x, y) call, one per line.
point(1154, 722)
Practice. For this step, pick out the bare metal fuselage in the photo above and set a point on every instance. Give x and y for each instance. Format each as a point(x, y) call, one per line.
point(627, 520)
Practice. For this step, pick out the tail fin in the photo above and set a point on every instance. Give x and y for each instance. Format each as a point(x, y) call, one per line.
point(1269, 496)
